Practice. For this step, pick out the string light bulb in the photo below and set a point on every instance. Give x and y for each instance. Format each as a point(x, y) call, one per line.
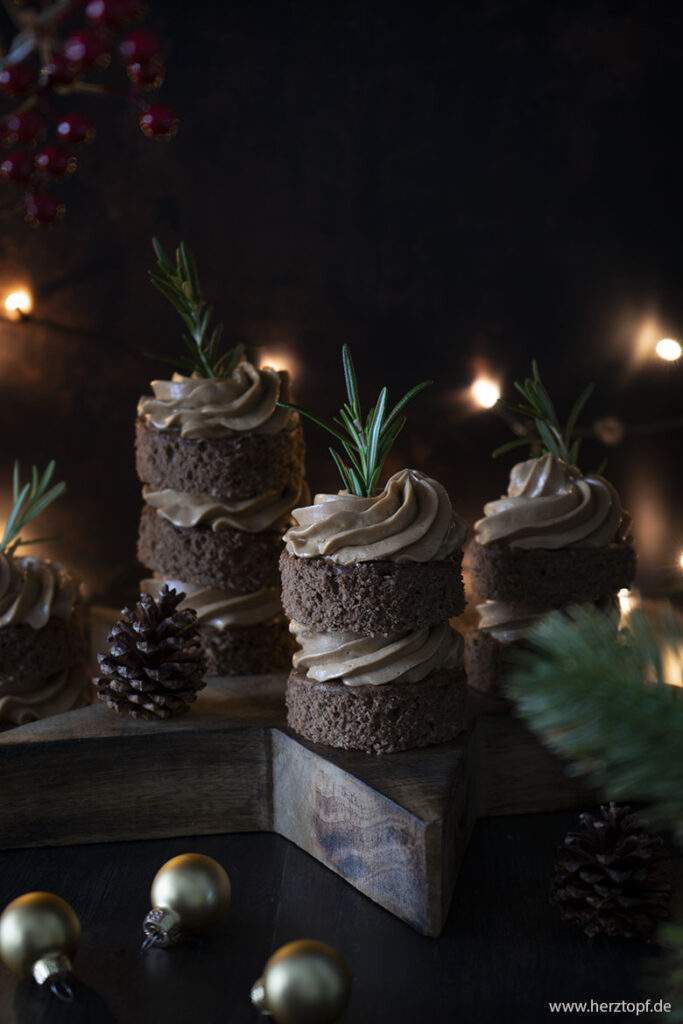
point(18, 303)
point(668, 349)
point(485, 392)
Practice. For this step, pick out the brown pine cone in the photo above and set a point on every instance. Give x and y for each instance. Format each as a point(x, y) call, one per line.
point(155, 665)
point(610, 878)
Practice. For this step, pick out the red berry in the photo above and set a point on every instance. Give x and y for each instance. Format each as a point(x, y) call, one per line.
point(43, 207)
point(147, 76)
point(84, 47)
point(18, 79)
point(139, 47)
point(59, 70)
point(75, 128)
point(55, 161)
point(110, 13)
point(17, 166)
point(25, 125)
point(159, 121)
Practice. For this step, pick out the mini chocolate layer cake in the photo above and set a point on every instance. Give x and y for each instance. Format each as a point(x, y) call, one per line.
point(486, 660)
point(378, 719)
point(235, 467)
point(371, 597)
point(247, 650)
point(30, 655)
point(550, 578)
point(230, 559)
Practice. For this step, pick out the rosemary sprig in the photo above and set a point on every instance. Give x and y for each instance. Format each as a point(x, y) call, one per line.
point(366, 445)
point(179, 283)
point(28, 501)
point(537, 405)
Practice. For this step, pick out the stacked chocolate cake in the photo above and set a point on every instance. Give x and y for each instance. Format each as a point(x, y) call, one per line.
point(222, 466)
point(370, 584)
point(555, 539)
point(43, 641)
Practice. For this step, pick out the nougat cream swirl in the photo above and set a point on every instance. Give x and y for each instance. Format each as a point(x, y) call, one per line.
point(550, 505)
point(210, 407)
point(222, 609)
point(508, 622)
point(270, 510)
point(376, 660)
point(32, 590)
point(410, 520)
point(63, 691)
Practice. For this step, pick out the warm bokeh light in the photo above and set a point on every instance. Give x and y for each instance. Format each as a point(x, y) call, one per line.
point(672, 666)
point(627, 600)
point(680, 559)
point(18, 302)
point(278, 361)
point(485, 392)
point(668, 349)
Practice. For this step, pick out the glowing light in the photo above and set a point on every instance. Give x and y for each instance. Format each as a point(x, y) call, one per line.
point(680, 559)
point(18, 303)
point(485, 392)
point(672, 666)
point(627, 600)
point(668, 349)
point(277, 361)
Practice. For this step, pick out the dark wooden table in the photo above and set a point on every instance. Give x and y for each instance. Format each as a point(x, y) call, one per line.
point(503, 956)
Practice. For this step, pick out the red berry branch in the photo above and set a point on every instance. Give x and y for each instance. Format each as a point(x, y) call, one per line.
point(53, 59)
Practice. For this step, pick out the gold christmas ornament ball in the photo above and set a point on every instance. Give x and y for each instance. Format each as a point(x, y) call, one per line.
point(190, 893)
point(38, 926)
point(304, 982)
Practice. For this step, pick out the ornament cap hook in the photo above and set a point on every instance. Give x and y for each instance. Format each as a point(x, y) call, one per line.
point(161, 928)
point(258, 997)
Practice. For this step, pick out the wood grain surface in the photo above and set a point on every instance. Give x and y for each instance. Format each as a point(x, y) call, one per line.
point(395, 826)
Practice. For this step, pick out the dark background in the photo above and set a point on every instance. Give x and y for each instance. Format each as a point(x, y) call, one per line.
point(449, 188)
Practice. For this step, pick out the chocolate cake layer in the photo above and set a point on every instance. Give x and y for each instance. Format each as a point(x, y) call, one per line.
point(371, 597)
point(231, 559)
point(549, 579)
point(485, 661)
point(247, 650)
point(234, 467)
point(28, 656)
point(378, 719)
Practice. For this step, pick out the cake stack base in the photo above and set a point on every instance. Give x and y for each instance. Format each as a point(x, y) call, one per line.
point(395, 826)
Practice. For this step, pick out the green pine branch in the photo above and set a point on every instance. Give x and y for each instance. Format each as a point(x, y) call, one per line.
point(366, 445)
point(583, 690)
point(538, 406)
point(179, 283)
point(28, 501)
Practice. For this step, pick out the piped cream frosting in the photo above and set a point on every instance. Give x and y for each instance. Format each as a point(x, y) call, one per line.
point(270, 510)
point(209, 407)
point(63, 691)
point(409, 520)
point(222, 609)
point(550, 505)
point(32, 590)
point(509, 623)
point(376, 660)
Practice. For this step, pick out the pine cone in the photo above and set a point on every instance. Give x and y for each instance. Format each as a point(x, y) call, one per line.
point(609, 877)
point(155, 665)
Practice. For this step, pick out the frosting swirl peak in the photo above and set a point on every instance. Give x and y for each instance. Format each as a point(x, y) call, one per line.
point(551, 505)
point(32, 590)
point(208, 407)
point(410, 520)
point(376, 660)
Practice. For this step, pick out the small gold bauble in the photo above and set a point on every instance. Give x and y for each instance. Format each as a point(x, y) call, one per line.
point(38, 926)
point(190, 893)
point(304, 982)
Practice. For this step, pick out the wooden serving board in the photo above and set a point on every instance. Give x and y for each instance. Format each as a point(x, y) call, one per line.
point(395, 825)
